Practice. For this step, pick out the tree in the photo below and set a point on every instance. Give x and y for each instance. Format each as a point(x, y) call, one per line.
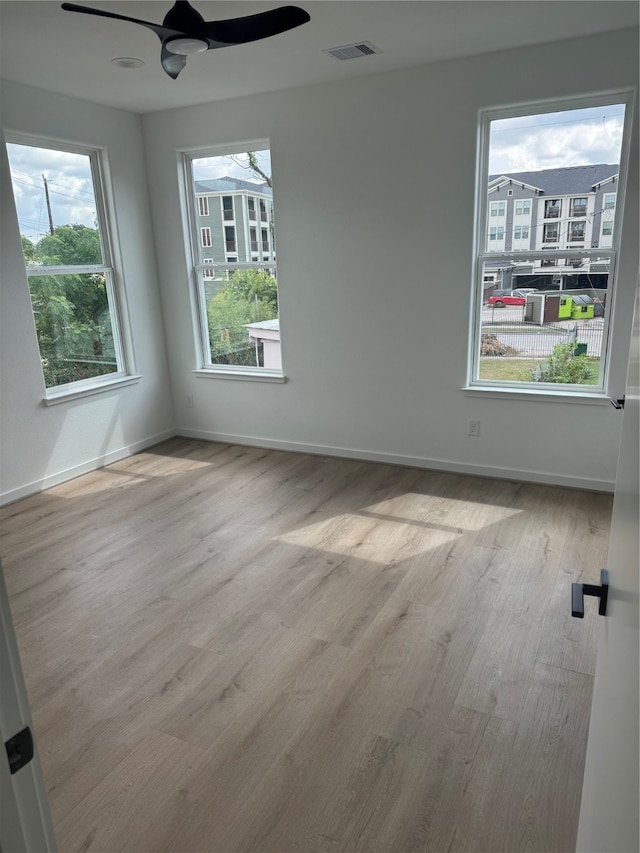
point(252, 285)
point(28, 250)
point(252, 165)
point(255, 167)
point(70, 245)
point(248, 297)
point(71, 311)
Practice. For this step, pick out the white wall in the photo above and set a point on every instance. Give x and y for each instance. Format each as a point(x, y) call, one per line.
point(374, 196)
point(42, 445)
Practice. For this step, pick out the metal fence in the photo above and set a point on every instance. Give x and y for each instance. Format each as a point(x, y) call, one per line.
point(506, 335)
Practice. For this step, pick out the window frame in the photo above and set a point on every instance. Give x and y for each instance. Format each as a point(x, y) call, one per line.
point(204, 367)
point(535, 390)
point(111, 267)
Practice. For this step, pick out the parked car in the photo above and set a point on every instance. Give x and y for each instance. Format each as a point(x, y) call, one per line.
point(500, 298)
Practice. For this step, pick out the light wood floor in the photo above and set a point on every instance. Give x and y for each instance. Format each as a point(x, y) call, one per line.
point(233, 649)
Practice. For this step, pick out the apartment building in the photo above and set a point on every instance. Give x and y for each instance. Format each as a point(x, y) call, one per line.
point(568, 208)
point(234, 221)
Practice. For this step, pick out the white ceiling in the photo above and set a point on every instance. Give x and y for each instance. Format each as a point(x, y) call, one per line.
point(42, 45)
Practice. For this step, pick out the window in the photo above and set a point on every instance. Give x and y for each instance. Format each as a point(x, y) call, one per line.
point(265, 240)
point(552, 208)
point(68, 251)
point(578, 207)
point(227, 207)
point(550, 344)
point(236, 294)
point(576, 232)
point(203, 205)
point(230, 238)
point(609, 201)
point(497, 208)
point(205, 237)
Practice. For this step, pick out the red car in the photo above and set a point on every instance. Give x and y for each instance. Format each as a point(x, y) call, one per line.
point(501, 298)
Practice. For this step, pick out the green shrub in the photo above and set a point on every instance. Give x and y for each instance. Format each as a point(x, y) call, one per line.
point(563, 366)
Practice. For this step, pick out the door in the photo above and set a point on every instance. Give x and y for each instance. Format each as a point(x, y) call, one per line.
point(609, 810)
point(25, 821)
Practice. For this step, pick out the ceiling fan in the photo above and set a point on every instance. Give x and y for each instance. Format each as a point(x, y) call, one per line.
point(184, 30)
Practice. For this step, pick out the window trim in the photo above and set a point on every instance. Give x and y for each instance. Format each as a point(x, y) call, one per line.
point(203, 366)
point(112, 267)
point(528, 390)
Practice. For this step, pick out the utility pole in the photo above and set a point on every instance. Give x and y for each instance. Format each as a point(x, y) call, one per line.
point(46, 195)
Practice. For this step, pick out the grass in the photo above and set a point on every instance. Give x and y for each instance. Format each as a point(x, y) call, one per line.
point(519, 369)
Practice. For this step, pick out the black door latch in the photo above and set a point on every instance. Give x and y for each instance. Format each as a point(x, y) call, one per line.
point(19, 750)
point(617, 404)
point(579, 590)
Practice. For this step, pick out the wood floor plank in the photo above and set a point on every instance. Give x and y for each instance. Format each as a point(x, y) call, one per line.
point(236, 649)
point(136, 794)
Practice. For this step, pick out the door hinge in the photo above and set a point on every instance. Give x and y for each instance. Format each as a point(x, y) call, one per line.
point(579, 590)
point(19, 750)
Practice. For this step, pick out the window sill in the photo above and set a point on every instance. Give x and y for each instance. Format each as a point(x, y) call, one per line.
point(262, 375)
point(593, 398)
point(64, 393)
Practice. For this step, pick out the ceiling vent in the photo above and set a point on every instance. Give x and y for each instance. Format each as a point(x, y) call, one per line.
point(353, 51)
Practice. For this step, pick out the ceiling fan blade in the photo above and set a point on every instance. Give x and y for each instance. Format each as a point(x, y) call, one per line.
point(173, 63)
point(161, 31)
point(255, 27)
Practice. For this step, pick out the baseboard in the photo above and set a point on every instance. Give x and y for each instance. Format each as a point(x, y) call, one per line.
point(544, 477)
point(84, 468)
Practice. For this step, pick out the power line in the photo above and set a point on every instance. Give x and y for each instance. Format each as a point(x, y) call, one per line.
point(542, 125)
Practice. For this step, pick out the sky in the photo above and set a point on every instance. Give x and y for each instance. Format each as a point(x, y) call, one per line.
point(554, 140)
point(70, 188)
point(70, 184)
point(234, 166)
point(527, 143)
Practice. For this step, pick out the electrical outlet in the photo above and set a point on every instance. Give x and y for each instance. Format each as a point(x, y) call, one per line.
point(473, 428)
point(189, 401)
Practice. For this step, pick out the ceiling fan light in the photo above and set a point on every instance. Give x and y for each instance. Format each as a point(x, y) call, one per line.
point(183, 45)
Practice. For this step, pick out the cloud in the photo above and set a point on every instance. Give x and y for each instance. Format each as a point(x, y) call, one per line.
point(553, 140)
point(70, 184)
point(230, 165)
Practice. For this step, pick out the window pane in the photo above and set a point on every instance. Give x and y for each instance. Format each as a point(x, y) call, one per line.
point(535, 322)
point(242, 311)
point(552, 208)
point(56, 206)
point(60, 224)
point(562, 167)
point(74, 327)
point(240, 305)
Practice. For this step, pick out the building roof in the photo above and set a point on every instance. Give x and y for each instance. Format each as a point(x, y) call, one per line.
point(267, 325)
point(568, 180)
point(231, 185)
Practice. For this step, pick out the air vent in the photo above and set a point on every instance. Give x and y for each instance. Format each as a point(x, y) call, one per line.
point(352, 51)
